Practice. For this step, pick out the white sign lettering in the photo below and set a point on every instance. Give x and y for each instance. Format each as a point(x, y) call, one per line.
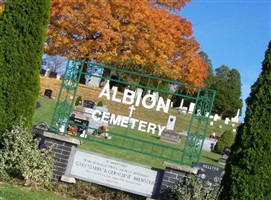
point(149, 101)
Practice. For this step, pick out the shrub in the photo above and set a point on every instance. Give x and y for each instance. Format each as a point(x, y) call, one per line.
point(192, 189)
point(100, 103)
point(22, 159)
point(79, 101)
point(22, 30)
point(226, 140)
point(248, 168)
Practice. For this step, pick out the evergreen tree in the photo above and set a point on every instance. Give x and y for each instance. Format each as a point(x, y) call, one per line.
point(248, 170)
point(22, 36)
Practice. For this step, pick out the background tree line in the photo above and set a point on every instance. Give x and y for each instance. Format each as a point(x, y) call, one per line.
point(227, 83)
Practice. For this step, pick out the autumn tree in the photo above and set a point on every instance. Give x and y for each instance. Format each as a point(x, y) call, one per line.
point(248, 169)
point(22, 31)
point(2, 6)
point(137, 32)
point(227, 83)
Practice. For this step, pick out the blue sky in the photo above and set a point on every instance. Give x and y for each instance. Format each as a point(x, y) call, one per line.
point(232, 32)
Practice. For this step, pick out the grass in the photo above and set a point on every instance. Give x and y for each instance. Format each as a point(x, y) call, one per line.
point(94, 144)
point(45, 112)
point(11, 192)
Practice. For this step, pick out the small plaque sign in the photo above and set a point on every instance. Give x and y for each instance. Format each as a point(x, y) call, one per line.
point(88, 104)
point(210, 173)
point(113, 173)
point(170, 136)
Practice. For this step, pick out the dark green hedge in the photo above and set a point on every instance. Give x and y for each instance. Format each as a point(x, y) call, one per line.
point(22, 31)
point(248, 169)
point(226, 140)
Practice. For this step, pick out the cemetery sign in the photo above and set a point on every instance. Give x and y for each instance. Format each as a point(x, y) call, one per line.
point(113, 173)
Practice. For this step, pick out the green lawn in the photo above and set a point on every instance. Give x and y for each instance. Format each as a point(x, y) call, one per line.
point(13, 192)
point(45, 113)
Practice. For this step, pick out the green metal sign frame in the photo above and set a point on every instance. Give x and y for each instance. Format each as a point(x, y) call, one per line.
point(196, 133)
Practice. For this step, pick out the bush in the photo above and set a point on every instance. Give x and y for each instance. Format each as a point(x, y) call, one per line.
point(79, 101)
point(22, 159)
point(21, 47)
point(226, 140)
point(248, 169)
point(192, 189)
point(100, 103)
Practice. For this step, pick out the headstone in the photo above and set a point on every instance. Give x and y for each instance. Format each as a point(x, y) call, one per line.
point(48, 93)
point(236, 118)
point(234, 130)
point(191, 108)
point(216, 117)
point(58, 76)
point(94, 81)
point(211, 175)
point(81, 125)
point(47, 72)
point(42, 72)
point(156, 95)
point(170, 136)
point(53, 74)
point(183, 110)
point(171, 122)
point(225, 156)
point(88, 104)
point(181, 104)
point(220, 126)
point(211, 123)
point(139, 92)
point(226, 120)
point(207, 114)
point(38, 105)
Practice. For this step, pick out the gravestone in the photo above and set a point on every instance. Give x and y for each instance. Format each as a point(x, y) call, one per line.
point(216, 117)
point(191, 108)
point(227, 120)
point(170, 136)
point(81, 123)
point(48, 93)
point(38, 105)
point(183, 110)
point(225, 155)
point(94, 81)
point(88, 104)
point(181, 104)
point(47, 72)
point(42, 72)
point(156, 95)
point(171, 122)
point(139, 92)
point(211, 175)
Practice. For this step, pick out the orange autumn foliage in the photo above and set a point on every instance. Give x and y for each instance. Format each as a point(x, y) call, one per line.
point(142, 31)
